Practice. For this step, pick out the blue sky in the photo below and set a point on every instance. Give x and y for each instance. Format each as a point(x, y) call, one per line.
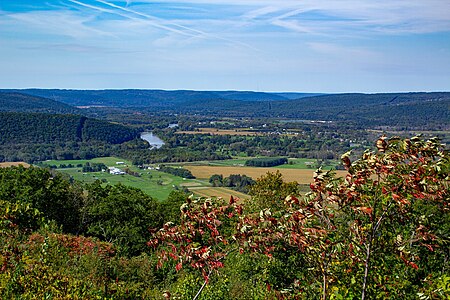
point(263, 45)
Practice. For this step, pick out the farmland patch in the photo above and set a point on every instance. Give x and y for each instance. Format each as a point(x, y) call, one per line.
point(302, 176)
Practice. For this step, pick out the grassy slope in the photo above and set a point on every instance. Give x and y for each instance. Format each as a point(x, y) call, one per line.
point(148, 182)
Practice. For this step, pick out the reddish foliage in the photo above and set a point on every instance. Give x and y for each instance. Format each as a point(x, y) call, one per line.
point(76, 245)
point(198, 240)
point(379, 188)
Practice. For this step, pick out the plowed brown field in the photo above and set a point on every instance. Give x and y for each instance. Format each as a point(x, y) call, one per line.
point(301, 176)
point(218, 192)
point(15, 164)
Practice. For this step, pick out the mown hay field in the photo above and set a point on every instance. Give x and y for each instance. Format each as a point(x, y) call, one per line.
point(13, 164)
point(218, 192)
point(302, 176)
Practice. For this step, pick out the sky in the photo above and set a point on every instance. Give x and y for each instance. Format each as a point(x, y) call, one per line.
point(325, 46)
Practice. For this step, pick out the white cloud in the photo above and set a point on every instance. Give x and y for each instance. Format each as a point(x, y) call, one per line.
point(64, 23)
point(384, 16)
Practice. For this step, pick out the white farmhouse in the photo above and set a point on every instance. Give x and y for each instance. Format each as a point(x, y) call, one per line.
point(116, 171)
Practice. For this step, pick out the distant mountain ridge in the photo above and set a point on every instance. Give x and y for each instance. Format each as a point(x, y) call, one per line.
point(420, 110)
point(158, 98)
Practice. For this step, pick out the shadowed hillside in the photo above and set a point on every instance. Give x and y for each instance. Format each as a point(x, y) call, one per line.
point(13, 101)
point(35, 128)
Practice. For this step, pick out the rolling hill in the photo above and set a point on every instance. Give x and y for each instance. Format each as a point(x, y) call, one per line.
point(39, 128)
point(20, 102)
point(146, 98)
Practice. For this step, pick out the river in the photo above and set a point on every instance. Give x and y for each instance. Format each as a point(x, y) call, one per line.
point(153, 140)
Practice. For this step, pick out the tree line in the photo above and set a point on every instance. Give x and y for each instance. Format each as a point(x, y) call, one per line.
point(180, 172)
point(241, 183)
point(266, 162)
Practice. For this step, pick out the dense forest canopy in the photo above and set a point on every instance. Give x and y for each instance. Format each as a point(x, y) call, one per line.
point(34, 128)
point(36, 136)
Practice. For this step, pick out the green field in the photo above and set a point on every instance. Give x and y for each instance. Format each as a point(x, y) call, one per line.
point(109, 161)
point(294, 163)
point(159, 184)
point(154, 183)
point(306, 163)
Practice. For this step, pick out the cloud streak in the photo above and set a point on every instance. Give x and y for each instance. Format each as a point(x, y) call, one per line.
point(149, 20)
point(160, 23)
point(384, 16)
point(57, 23)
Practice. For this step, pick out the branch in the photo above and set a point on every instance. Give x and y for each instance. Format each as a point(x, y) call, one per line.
point(202, 287)
point(375, 228)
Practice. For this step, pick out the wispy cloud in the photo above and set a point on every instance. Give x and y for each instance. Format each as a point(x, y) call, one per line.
point(157, 22)
point(385, 16)
point(341, 51)
point(160, 23)
point(65, 23)
point(71, 47)
point(189, 43)
point(149, 20)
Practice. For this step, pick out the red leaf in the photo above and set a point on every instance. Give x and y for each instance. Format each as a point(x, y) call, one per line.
point(366, 210)
point(429, 247)
point(413, 265)
point(239, 210)
point(166, 295)
point(205, 276)
point(178, 266)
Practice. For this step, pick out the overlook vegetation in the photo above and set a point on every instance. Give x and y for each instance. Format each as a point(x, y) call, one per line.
point(380, 232)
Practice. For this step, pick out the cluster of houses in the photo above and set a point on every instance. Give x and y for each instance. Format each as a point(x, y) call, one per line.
point(116, 171)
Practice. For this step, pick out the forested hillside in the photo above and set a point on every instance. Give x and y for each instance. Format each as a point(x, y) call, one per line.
point(18, 128)
point(145, 98)
point(407, 110)
point(36, 136)
point(14, 101)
